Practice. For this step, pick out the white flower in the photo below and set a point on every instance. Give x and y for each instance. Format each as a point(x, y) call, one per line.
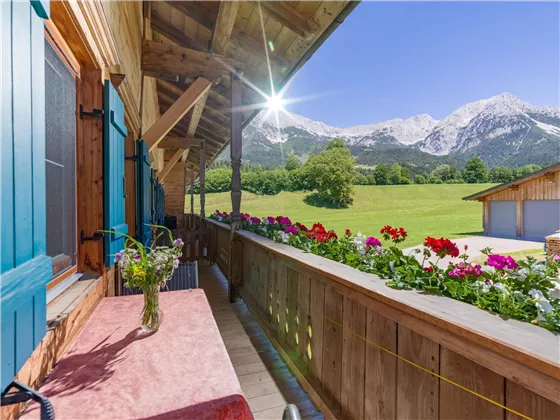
point(266, 222)
point(285, 237)
point(485, 285)
point(542, 303)
point(488, 269)
point(502, 288)
point(360, 242)
point(554, 292)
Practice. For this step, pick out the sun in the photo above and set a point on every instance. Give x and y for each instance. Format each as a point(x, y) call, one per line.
point(275, 103)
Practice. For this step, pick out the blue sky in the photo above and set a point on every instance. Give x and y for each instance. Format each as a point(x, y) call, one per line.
point(400, 59)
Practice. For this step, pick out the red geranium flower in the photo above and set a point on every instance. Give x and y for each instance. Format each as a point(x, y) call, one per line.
point(347, 232)
point(394, 234)
point(442, 247)
point(429, 269)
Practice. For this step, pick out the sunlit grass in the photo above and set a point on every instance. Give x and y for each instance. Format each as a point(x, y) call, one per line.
point(423, 210)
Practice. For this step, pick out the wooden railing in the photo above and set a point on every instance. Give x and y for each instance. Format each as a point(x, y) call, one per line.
point(364, 350)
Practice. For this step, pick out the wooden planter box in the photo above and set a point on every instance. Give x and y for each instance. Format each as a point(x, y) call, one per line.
point(364, 350)
point(553, 244)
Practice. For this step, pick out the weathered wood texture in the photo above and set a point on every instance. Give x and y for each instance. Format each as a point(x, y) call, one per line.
point(267, 383)
point(368, 352)
point(89, 182)
point(537, 189)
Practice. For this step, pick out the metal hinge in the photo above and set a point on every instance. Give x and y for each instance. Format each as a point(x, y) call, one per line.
point(97, 236)
point(96, 113)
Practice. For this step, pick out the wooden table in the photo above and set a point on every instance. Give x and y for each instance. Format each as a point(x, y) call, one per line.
point(113, 370)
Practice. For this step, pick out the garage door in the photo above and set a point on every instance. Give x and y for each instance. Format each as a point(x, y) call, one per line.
point(540, 218)
point(503, 219)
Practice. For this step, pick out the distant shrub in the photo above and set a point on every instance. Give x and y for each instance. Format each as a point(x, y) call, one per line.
point(419, 179)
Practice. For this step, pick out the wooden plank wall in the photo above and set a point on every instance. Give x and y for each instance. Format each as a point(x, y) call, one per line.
point(537, 189)
point(358, 356)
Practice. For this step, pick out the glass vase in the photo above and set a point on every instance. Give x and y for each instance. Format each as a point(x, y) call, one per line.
point(151, 317)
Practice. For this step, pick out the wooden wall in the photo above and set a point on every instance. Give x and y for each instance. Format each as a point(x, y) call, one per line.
point(359, 356)
point(537, 189)
point(174, 186)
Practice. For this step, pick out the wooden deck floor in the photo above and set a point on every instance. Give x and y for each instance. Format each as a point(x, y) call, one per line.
point(266, 381)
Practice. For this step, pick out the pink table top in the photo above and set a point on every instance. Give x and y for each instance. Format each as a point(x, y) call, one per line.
point(114, 371)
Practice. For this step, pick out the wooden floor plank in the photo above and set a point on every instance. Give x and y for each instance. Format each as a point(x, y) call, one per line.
point(266, 381)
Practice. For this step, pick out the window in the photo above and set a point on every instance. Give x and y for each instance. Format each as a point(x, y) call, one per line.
point(60, 159)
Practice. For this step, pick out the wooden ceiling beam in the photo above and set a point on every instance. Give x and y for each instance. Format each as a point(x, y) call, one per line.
point(227, 12)
point(242, 39)
point(195, 11)
point(195, 115)
point(177, 111)
point(289, 17)
point(174, 142)
point(172, 60)
point(169, 165)
point(174, 34)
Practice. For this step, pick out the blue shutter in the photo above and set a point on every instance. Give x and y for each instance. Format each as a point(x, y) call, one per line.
point(24, 266)
point(143, 193)
point(114, 133)
point(161, 204)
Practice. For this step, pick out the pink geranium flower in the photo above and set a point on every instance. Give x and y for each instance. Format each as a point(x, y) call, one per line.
point(255, 221)
point(291, 229)
point(500, 262)
point(284, 220)
point(371, 241)
point(270, 220)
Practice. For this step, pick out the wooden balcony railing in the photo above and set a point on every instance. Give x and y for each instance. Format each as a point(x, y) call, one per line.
point(364, 350)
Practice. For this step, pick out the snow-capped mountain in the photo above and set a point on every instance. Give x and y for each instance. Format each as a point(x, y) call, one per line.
point(501, 130)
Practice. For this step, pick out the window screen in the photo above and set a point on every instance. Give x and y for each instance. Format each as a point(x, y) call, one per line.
point(60, 161)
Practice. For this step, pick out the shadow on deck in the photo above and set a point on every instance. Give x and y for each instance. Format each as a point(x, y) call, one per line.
point(266, 381)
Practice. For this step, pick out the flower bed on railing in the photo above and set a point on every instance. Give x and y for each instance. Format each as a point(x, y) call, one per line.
point(527, 290)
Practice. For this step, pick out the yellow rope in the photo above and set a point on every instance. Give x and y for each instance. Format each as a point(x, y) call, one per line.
point(427, 370)
point(420, 367)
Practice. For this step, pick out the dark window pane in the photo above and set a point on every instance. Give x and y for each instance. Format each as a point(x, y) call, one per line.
point(60, 161)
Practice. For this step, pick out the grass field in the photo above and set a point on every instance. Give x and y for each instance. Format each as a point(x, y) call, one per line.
point(423, 210)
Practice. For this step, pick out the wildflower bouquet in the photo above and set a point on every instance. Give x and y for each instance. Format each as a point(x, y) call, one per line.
point(527, 290)
point(149, 269)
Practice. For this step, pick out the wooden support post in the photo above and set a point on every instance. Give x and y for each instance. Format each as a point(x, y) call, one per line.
point(202, 180)
point(236, 256)
point(191, 225)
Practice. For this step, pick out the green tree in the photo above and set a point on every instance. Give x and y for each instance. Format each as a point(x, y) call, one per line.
point(332, 172)
point(500, 174)
point(381, 175)
point(405, 175)
point(445, 172)
point(360, 179)
point(292, 163)
point(419, 179)
point(371, 179)
point(218, 180)
point(395, 174)
point(527, 170)
point(475, 171)
point(335, 143)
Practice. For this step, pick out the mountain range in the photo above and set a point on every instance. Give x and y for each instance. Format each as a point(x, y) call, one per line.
point(502, 130)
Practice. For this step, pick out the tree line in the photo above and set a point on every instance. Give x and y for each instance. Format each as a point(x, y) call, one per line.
point(333, 172)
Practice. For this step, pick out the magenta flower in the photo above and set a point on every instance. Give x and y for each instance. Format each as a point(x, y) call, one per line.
point(137, 257)
point(118, 256)
point(255, 221)
point(178, 242)
point(500, 262)
point(245, 217)
point(371, 241)
point(556, 257)
point(284, 220)
point(463, 270)
point(291, 229)
point(270, 220)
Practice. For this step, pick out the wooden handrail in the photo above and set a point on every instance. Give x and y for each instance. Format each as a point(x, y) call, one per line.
point(521, 353)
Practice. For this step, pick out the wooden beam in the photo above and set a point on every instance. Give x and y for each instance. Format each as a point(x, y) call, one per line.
point(174, 34)
point(172, 116)
point(174, 142)
point(196, 114)
point(227, 12)
point(169, 165)
point(289, 17)
point(195, 11)
point(172, 60)
point(242, 39)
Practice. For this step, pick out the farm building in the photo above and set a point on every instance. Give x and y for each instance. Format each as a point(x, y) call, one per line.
point(526, 208)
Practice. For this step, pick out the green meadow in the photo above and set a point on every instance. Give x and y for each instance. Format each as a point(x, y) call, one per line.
point(423, 210)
